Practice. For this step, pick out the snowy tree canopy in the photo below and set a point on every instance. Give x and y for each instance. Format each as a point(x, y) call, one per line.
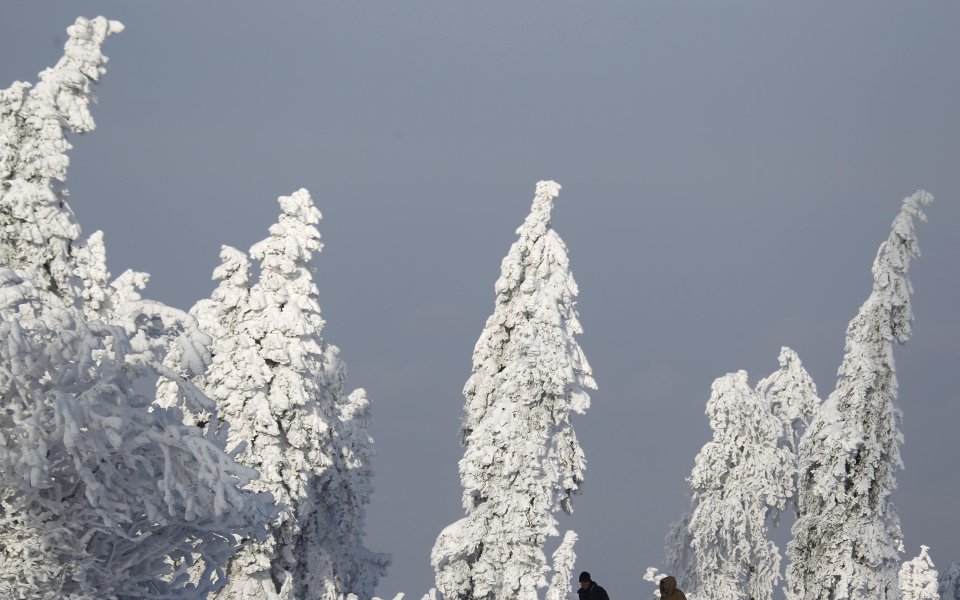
point(104, 495)
point(101, 491)
point(37, 228)
point(39, 235)
point(281, 388)
point(522, 460)
point(918, 578)
point(739, 479)
point(847, 539)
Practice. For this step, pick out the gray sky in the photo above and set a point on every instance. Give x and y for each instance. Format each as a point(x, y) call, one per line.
point(728, 170)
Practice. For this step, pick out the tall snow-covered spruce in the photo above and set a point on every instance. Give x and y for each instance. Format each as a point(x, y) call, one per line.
point(522, 460)
point(847, 540)
point(281, 388)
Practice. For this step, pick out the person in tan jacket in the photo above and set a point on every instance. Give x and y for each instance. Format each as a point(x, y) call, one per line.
point(669, 589)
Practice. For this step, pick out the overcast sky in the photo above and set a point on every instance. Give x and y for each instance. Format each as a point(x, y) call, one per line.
point(728, 168)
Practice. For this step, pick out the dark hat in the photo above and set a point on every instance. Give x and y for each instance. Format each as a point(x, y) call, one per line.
point(585, 576)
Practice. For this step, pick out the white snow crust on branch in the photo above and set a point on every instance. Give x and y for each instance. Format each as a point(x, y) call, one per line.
point(281, 388)
point(847, 540)
point(918, 578)
point(37, 228)
point(522, 461)
point(740, 481)
point(103, 493)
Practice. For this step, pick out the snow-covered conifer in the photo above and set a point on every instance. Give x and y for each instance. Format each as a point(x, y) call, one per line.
point(281, 388)
point(103, 493)
point(949, 583)
point(37, 228)
point(847, 539)
point(39, 235)
point(918, 578)
point(522, 460)
point(738, 480)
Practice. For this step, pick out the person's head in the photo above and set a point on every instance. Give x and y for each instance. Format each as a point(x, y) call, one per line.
point(667, 586)
point(585, 580)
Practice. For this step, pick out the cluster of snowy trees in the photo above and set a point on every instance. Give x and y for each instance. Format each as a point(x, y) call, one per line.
point(833, 462)
point(246, 476)
point(247, 473)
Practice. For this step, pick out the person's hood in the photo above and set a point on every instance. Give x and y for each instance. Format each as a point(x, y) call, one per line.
point(669, 585)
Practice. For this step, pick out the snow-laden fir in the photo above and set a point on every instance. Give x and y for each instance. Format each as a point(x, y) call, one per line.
point(847, 539)
point(282, 389)
point(522, 461)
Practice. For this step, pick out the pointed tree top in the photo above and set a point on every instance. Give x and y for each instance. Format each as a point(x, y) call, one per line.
point(300, 206)
point(81, 64)
point(538, 221)
point(234, 266)
point(788, 357)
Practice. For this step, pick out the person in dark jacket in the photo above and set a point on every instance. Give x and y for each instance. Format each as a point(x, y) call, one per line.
point(589, 590)
point(669, 589)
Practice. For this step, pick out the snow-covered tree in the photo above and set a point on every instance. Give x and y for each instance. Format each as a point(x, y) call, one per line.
point(38, 231)
point(739, 480)
point(39, 235)
point(918, 578)
point(281, 388)
point(522, 460)
point(103, 493)
point(847, 539)
point(949, 583)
